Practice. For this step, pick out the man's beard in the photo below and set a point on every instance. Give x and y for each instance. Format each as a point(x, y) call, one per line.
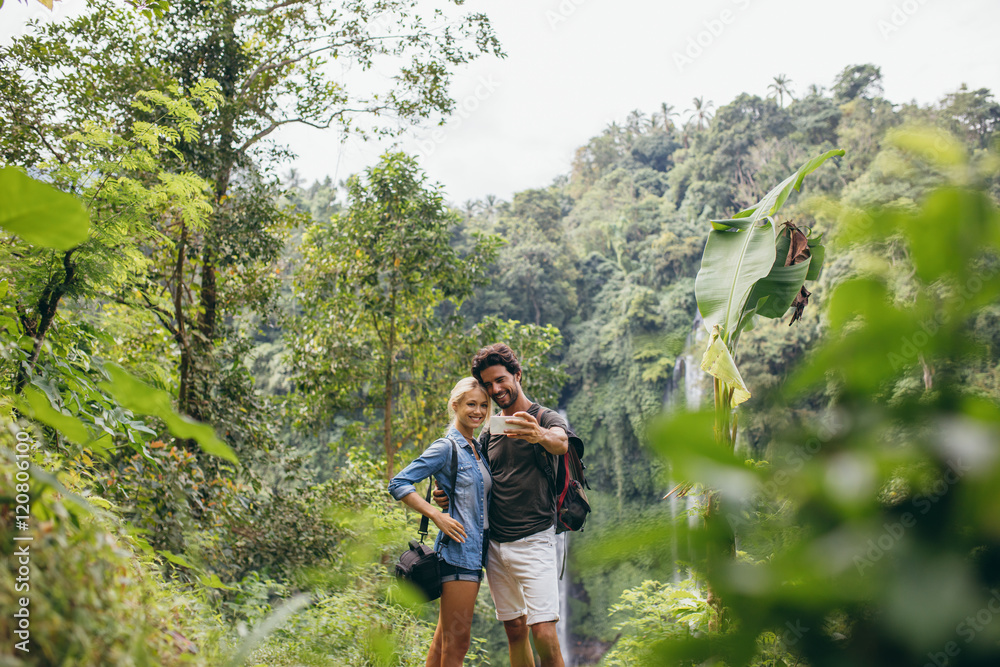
point(511, 399)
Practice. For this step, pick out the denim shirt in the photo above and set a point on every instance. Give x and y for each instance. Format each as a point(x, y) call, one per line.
point(466, 507)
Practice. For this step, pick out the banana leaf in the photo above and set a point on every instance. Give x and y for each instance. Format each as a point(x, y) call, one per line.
point(737, 255)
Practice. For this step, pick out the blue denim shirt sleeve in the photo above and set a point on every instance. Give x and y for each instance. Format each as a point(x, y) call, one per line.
point(431, 462)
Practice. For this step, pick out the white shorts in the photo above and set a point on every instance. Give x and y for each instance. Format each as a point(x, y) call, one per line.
point(523, 578)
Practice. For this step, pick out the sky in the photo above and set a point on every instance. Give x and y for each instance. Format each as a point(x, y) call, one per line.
point(574, 66)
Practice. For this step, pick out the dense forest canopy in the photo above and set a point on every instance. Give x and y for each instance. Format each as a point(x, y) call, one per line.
point(217, 375)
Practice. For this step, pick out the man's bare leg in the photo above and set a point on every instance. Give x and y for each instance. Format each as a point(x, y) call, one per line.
point(547, 644)
point(517, 642)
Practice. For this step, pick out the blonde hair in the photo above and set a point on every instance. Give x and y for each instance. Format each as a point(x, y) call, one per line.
point(463, 387)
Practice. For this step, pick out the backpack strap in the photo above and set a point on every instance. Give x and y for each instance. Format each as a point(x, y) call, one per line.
point(454, 481)
point(542, 460)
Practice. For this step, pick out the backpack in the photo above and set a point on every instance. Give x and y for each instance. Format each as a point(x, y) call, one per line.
point(568, 483)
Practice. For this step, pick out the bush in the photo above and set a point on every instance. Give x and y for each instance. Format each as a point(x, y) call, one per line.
point(96, 595)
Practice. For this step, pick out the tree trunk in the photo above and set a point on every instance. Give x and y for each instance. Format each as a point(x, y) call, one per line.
point(390, 451)
point(48, 304)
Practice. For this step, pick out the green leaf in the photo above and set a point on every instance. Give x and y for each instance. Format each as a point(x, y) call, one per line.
point(39, 213)
point(779, 287)
point(737, 258)
point(732, 223)
point(719, 363)
point(179, 560)
point(731, 264)
point(818, 254)
point(139, 397)
point(100, 502)
point(776, 198)
point(212, 581)
point(41, 410)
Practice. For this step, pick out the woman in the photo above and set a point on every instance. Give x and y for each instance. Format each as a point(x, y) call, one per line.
point(462, 541)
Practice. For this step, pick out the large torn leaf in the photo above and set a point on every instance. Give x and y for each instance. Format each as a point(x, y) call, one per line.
point(739, 253)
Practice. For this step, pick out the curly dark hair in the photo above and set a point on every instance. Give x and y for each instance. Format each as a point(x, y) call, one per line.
point(494, 355)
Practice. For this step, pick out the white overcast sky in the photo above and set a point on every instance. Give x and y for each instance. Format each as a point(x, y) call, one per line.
point(573, 66)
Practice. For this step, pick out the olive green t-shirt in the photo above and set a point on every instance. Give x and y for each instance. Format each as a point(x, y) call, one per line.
point(522, 503)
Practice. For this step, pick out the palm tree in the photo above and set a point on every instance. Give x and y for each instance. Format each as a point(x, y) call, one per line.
point(666, 112)
point(781, 87)
point(489, 206)
point(470, 208)
point(701, 113)
point(636, 122)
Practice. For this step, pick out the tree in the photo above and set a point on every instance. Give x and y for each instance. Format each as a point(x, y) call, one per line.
point(636, 122)
point(274, 62)
point(975, 113)
point(371, 336)
point(129, 195)
point(780, 87)
point(665, 115)
point(701, 113)
point(751, 270)
point(857, 81)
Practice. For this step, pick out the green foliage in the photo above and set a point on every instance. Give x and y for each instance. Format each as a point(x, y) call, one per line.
point(369, 337)
point(887, 544)
point(658, 611)
point(96, 596)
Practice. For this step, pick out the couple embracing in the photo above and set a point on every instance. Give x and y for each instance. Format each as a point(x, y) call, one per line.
point(501, 515)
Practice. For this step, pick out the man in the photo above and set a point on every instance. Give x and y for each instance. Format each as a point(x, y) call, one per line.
point(521, 567)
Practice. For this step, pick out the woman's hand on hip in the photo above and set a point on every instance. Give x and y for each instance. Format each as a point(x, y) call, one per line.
point(449, 526)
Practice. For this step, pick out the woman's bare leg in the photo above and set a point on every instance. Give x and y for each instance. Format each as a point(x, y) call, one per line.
point(458, 600)
point(434, 655)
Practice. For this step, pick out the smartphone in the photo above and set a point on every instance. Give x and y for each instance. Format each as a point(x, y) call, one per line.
point(498, 423)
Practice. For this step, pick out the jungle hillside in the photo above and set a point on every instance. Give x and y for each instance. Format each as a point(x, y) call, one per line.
point(773, 320)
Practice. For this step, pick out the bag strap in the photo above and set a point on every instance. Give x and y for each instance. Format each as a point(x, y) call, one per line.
point(425, 521)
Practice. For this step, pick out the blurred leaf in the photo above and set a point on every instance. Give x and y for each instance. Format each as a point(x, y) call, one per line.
point(931, 143)
point(180, 560)
point(213, 581)
point(39, 213)
point(139, 397)
point(39, 407)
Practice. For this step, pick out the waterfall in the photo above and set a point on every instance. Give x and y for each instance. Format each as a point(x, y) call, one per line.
point(563, 626)
point(686, 391)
